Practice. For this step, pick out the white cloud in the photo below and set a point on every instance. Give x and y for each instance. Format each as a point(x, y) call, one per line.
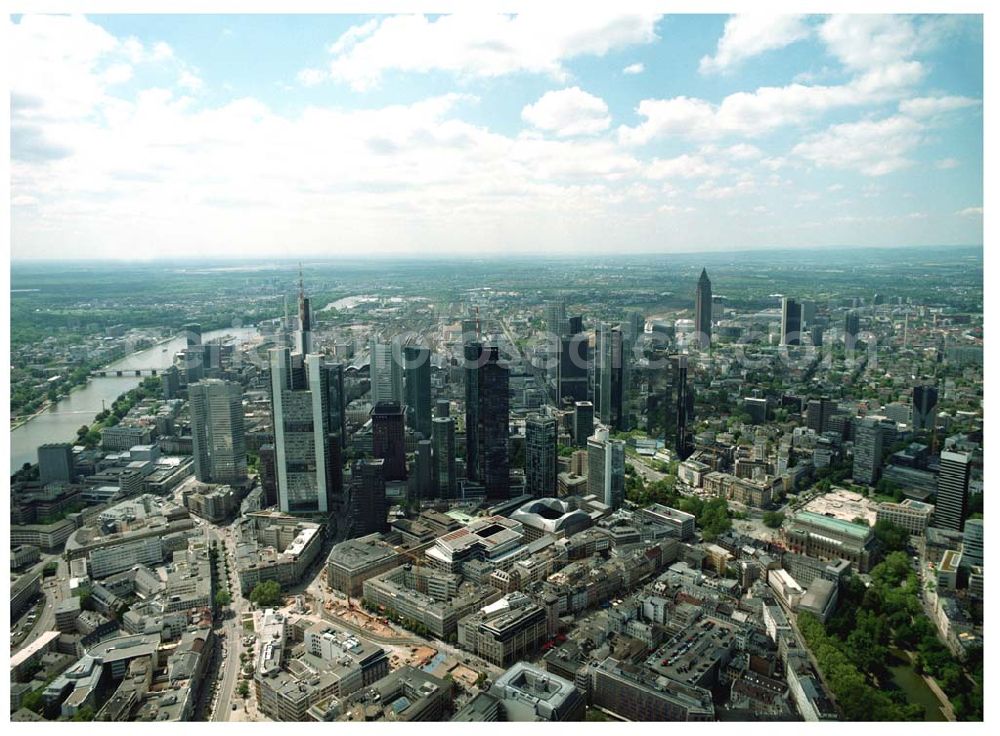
point(186, 173)
point(947, 163)
point(567, 112)
point(767, 108)
point(925, 107)
point(310, 77)
point(713, 190)
point(636, 68)
point(971, 212)
point(684, 167)
point(872, 147)
point(746, 36)
point(484, 45)
point(190, 81)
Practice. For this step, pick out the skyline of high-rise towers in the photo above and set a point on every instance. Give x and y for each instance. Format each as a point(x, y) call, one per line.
point(218, 437)
point(487, 419)
point(703, 311)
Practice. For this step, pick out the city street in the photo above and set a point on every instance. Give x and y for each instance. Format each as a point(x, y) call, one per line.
point(231, 627)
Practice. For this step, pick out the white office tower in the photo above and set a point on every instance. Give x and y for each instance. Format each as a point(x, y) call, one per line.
point(606, 468)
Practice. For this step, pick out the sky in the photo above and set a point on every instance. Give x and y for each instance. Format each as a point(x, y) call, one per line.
point(545, 132)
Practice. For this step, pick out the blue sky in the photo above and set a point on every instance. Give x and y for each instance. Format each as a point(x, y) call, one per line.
point(138, 136)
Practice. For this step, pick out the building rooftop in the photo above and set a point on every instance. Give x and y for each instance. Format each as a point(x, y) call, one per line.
point(858, 531)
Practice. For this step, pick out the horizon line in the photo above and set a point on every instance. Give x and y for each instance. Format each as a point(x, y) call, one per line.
point(495, 255)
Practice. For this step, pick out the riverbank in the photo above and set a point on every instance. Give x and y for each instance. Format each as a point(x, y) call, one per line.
point(20, 421)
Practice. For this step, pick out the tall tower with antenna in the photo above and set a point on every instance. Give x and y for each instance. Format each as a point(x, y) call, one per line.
point(305, 320)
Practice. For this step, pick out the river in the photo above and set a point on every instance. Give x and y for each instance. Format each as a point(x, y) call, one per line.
point(906, 679)
point(60, 421)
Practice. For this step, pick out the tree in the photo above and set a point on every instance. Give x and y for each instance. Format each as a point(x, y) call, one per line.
point(243, 689)
point(266, 594)
point(223, 599)
point(773, 519)
point(86, 713)
point(33, 701)
point(892, 537)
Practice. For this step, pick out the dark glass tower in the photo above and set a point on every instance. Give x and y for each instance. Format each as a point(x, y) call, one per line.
point(368, 508)
point(540, 456)
point(389, 438)
point(924, 402)
point(703, 311)
point(487, 419)
point(418, 389)
point(610, 379)
point(791, 322)
point(574, 354)
point(679, 408)
point(443, 448)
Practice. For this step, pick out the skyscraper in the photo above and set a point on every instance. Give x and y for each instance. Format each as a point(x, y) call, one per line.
point(606, 468)
point(924, 403)
point(818, 411)
point(487, 419)
point(635, 325)
point(868, 435)
point(583, 422)
point(972, 543)
point(953, 490)
point(791, 322)
point(368, 510)
point(555, 317)
point(571, 372)
point(192, 334)
point(678, 411)
point(852, 325)
point(336, 401)
point(307, 452)
point(417, 372)
point(171, 381)
point(389, 438)
point(304, 337)
point(268, 475)
point(610, 379)
point(443, 440)
point(55, 463)
point(540, 456)
point(703, 311)
point(385, 371)
point(422, 477)
point(217, 433)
